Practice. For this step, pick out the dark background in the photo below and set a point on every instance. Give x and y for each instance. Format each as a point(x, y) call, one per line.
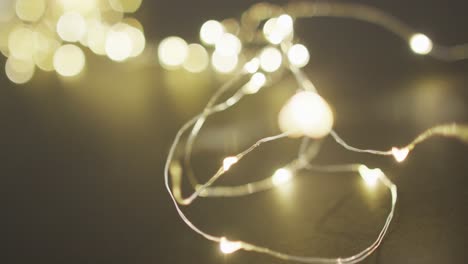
point(82, 160)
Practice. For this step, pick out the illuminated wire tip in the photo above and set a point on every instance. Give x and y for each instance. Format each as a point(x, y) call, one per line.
point(228, 162)
point(400, 154)
point(228, 247)
point(370, 176)
point(421, 44)
point(281, 177)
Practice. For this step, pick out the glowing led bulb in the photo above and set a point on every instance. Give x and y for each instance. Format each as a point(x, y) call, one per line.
point(211, 31)
point(281, 176)
point(306, 114)
point(197, 58)
point(298, 55)
point(71, 26)
point(69, 60)
point(277, 29)
point(252, 66)
point(224, 64)
point(118, 44)
point(370, 177)
point(228, 45)
point(270, 59)
point(257, 81)
point(21, 42)
point(420, 44)
point(30, 10)
point(228, 247)
point(19, 71)
point(400, 154)
point(228, 162)
point(172, 52)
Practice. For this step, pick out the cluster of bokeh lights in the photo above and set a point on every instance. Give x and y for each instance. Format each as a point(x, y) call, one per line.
point(51, 34)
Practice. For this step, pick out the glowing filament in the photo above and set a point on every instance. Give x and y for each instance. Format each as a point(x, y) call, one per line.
point(370, 176)
point(228, 162)
point(400, 154)
point(228, 247)
point(421, 44)
point(281, 176)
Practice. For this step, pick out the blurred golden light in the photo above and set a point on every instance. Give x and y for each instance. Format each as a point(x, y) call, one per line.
point(30, 10)
point(224, 64)
point(197, 58)
point(137, 39)
point(5, 29)
point(252, 66)
point(257, 81)
point(96, 37)
point(228, 45)
point(69, 60)
point(421, 44)
point(281, 177)
point(83, 7)
point(118, 43)
point(270, 59)
point(7, 10)
point(44, 50)
point(298, 55)
point(211, 31)
point(277, 29)
point(21, 43)
point(400, 154)
point(369, 176)
point(228, 247)
point(71, 26)
point(19, 71)
point(306, 114)
point(127, 6)
point(172, 52)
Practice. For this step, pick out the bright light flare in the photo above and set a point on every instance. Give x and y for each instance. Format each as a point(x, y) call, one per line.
point(281, 177)
point(421, 44)
point(228, 162)
point(400, 155)
point(306, 114)
point(228, 247)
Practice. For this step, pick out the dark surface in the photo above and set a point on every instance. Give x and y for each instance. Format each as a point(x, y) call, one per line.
point(82, 160)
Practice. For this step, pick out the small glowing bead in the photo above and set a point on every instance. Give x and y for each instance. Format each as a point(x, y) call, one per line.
point(172, 52)
point(400, 154)
point(228, 247)
point(306, 114)
point(257, 81)
point(228, 45)
point(228, 162)
point(281, 176)
point(298, 55)
point(252, 66)
point(420, 44)
point(370, 177)
point(211, 31)
point(270, 59)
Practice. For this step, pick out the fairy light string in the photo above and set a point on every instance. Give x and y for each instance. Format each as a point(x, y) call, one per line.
point(263, 69)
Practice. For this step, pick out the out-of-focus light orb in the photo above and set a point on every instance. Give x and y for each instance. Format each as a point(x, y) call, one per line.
point(71, 26)
point(197, 58)
point(228, 45)
point(172, 52)
point(370, 176)
point(19, 71)
point(96, 37)
point(400, 154)
point(127, 6)
point(211, 31)
point(257, 81)
point(224, 64)
point(119, 45)
point(7, 10)
point(69, 60)
point(228, 247)
point(278, 29)
point(252, 66)
point(83, 7)
point(420, 44)
point(44, 50)
point(30, 10)
point(138, 40)
point(228, 162)
point(306, 114)
point(281, 176)
point(21, 42)
point(298, 55)
point(270, 59)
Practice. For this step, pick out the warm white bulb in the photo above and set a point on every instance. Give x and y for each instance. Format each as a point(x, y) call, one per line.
point(119, 44)
point(277, 29)
point(298, 55)
point(69, 60)
point(421, 44)
point(281, 176)
point(211, 31)
point(257, 81)
point(228, 247)
point(306, 114)
point(252, 66)
point(270, 59)
point(172, 52)
point(228, 45)
point(224, 64)
point(71, 26)
point(400, 154)
point(228, 162)
point(370, 176)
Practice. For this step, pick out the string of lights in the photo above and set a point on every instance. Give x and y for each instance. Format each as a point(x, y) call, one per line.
point(261, 48)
